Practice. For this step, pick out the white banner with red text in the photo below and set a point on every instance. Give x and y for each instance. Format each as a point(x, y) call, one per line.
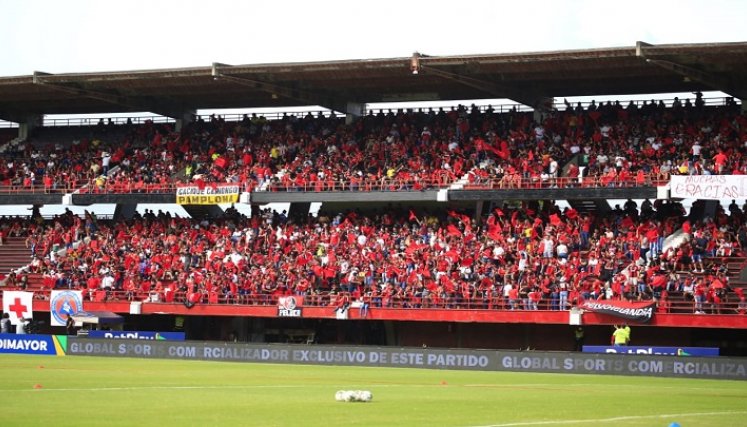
point(18, 305)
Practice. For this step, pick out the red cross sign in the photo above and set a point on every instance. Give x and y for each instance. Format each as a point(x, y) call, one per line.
point(18, 308)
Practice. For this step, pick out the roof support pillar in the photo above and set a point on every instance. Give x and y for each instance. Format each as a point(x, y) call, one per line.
point(31, 122)
point(353, 110)
point(183, 119)
point(479, 206)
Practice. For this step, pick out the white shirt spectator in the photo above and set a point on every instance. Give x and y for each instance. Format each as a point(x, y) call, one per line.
point(344, 267)
point(523, 261)
point(619, 161)
point(235, 257)
point(696, 148)
point(548, 247)
point(605, 131)
point(506, 289)
point(498, 252)
point(107, 282)
point(21, 327)
point(553, 168)
point(539, 132)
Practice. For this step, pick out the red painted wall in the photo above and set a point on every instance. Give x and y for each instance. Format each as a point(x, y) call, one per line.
point(732, 321)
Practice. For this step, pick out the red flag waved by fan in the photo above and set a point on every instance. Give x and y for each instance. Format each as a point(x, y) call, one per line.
point(451, 230)
point(463, 218)
point(221, 162)
point(447, 283)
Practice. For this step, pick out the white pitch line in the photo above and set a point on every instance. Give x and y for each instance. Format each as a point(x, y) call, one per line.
point(165, 387)
point(637, 386)
point(218, 387)
point(523, 385)
point(268, 386)
point(614, 419)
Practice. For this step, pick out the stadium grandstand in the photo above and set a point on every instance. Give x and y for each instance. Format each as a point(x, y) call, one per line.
point(477, 225)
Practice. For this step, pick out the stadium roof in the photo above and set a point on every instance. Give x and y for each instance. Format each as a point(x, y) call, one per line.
point(529, 78)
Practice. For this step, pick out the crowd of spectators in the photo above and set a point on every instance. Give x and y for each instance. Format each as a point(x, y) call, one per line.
point(607, 144)
point(527, 257)
point(60, 159)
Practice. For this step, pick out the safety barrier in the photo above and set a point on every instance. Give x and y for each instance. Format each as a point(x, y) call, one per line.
point(478, 301)
point(359, 185)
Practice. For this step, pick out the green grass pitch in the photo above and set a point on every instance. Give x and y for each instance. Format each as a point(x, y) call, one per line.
point(94, 391)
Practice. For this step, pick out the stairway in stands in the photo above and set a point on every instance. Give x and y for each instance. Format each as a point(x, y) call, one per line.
point(735, 269)
point(203, 211)
point(6, 143)
point(586, 207)
point(14, 255)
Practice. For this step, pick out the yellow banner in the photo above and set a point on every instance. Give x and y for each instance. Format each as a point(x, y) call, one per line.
point(209, 195)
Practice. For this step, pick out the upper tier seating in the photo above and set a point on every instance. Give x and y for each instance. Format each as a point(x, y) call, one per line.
point(602, 145)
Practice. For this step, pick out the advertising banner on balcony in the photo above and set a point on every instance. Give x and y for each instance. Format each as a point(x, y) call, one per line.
point(640, 312)
point(290, 306)
point(63, 304)
point(207, 194)
point(709, 187)
point(18, 305)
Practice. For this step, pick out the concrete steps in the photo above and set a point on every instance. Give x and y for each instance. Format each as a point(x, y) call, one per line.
point(14, 254)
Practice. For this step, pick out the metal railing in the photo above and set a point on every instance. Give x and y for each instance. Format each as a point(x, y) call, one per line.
point(361, 185)
point(104, 121)
point(490, 183)
point(19, 189)
point(128, 188)
point(278, 115)
point(271, 115)
point(478, 302)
